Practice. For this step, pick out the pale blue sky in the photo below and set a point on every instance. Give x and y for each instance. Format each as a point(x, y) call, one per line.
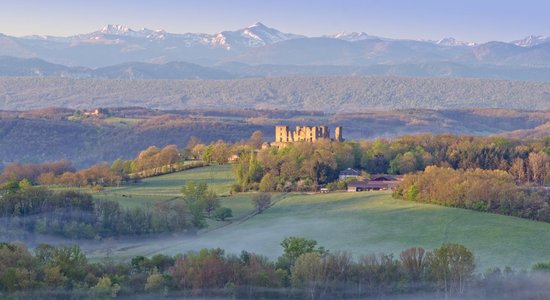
point(471, 20)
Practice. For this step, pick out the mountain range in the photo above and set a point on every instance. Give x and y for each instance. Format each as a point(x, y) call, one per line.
point(119, 52)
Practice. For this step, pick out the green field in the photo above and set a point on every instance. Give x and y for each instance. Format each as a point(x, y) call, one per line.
point(219, 178)
point(361, 223)
point(167, 187)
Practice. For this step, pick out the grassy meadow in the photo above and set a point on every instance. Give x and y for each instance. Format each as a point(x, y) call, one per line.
point(360, 223)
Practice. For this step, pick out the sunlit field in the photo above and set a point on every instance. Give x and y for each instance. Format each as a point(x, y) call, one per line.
point(361, 223)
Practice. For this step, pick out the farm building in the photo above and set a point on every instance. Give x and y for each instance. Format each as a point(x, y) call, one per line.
point(348, 173)
point(372, 185)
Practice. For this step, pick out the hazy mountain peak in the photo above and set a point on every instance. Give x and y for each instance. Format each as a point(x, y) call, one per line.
point(115, 29)
point(450, 41)
point(351, 36)
point(257, 24)
point(532, 40)
point(256, 35)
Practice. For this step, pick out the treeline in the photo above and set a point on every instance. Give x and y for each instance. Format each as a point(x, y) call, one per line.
point(306, 166)
point(151, 162)
point(304, 271)
point(61, 173)
point(77, 215)
point(31, 172)
point(155, 161)
point(492, 191)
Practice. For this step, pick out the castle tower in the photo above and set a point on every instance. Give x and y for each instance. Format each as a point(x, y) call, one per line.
point(282, 134)
point(338, 135)
point(325, 132)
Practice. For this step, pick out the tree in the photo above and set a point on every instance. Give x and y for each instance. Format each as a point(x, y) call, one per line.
point(71, 261)
point(268, 183)
point(198, 151)
point(308, 273)
point(155, 282)
point(25, 184)
point(222, 213)
point(403, 163)
point(539, 166)
point(194, 195)
point(169, 155)
point(452, 266)
point(518, 171)
point(414, 262)
point(261, 201)
point(211, 202)
point(294, 247)
point(219, 152)
point(256, 139)
point(207, 154)
point(105, 288)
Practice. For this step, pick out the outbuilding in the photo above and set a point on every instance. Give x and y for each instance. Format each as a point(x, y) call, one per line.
point(358, 186)
point(348, 173)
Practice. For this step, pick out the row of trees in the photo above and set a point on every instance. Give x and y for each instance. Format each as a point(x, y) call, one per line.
point(152, 161)
point(303, 271)
point(31, 172)
point(77, 215)
point(482, 190)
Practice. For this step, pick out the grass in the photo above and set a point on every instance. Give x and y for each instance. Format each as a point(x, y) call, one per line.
point(218, 178)
point(161, 188)
point(363, 223)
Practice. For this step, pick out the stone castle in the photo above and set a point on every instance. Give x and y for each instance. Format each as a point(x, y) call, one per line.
point(306, 134)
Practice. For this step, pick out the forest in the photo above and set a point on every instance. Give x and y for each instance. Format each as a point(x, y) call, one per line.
point(328, 94)
point(305, 270)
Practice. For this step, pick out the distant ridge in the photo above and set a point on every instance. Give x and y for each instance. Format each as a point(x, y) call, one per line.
point(178, 70)
point(326, 93)
point(260, 44)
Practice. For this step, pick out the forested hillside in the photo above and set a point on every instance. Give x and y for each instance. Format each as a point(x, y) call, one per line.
point(54, 134)
point(329, 94)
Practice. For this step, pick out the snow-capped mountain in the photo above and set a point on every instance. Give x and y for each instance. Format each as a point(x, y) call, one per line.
point(351, 36)
point(118, 33)
point(259, 44)
point(256, 35)
point(450, 41)
point(532, 40)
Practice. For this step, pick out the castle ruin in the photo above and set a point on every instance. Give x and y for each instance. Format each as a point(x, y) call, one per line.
point(306, 134)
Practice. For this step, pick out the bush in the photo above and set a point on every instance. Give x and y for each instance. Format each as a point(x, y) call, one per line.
point(222, 213)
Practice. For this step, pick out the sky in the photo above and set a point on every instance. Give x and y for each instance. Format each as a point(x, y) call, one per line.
point(468, 20)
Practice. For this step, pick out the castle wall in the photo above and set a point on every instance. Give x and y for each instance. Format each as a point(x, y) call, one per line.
point(305, 134)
